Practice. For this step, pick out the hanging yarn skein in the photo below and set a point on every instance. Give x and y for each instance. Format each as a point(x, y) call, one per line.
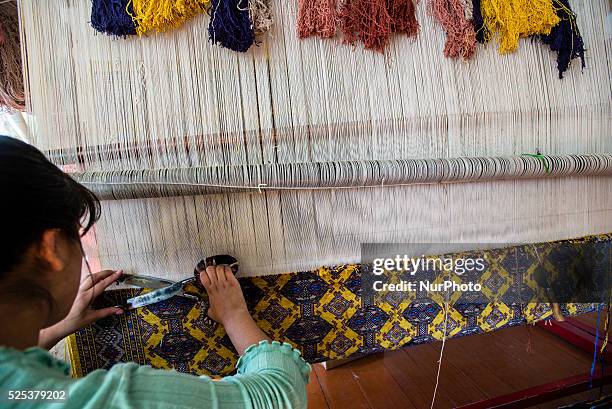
point(230, 25)
point(260, 12)
point(12, 95)
point(317, 18)
point(482, 32)
point(513, 19)
point(565, 38)
point(403, 17)
point(460, 34)
point(367, 21)
point(164, 15)
point(113, 17)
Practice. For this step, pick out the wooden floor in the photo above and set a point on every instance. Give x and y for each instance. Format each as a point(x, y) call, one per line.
point(473, 368)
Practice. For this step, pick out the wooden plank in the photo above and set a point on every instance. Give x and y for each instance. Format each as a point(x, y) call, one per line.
point(505, 354)
point(502, 352)
point(416, 383)
point(489, 375)
point(421, 366)
point(559, 358)
point(453, 382)
point(340, 388)
point(316, 398)
point(379, 386)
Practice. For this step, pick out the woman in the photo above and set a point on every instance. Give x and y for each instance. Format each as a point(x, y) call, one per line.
point(44, 212)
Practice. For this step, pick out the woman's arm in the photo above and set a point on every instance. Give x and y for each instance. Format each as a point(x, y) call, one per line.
point(228, 308)
point(269, 375)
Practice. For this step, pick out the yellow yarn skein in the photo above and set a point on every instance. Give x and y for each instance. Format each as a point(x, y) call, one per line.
point(513, 19)
point(163, 15)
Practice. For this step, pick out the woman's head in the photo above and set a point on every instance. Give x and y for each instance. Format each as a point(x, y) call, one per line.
point(42, 213)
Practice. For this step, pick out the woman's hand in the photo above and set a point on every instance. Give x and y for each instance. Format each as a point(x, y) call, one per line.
point(228, 308)
point(224, 294)
point(81, 313)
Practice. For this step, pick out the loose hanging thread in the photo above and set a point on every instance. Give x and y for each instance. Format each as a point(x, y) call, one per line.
point(444, 336)
point(513, 19)
point(596, 342)
point(604, 344)
point(539, 156)
point(230, 25)
point(164, 15)
point(460, 34)
point(433, 399)
point(317, 18)
point(12, 94)
point(367, 21)
point(565, 38)
point(113, 17)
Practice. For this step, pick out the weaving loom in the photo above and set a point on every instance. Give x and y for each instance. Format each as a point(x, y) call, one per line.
point(328, 313)
point(290, 155)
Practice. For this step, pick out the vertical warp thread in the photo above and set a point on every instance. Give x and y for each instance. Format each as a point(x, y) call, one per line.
point(460, 34)
point(482, 32)
point(513, 19)
point(317, 18)
point(403, 17)
point(468, 9)
point(12, 94)
point(367, 21)
point(261, 16)
point(565, 38)
point(163, 15)
point(112, 17)
point(230, 25)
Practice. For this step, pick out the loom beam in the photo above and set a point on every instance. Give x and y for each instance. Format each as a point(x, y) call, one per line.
point(149, 183)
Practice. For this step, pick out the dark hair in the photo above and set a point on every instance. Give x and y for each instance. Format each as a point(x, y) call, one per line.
point(37, 196)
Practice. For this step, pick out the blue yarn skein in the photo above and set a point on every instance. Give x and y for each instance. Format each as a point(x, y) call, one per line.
point(111, 17)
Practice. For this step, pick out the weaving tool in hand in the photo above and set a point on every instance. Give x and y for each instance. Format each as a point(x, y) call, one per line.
point(165, 289)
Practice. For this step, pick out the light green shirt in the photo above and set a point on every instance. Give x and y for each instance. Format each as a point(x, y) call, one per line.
point(269, 376)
